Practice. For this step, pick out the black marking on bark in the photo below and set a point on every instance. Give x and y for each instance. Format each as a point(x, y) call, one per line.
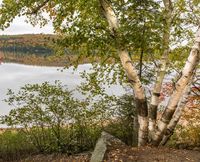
point(132, 81)
point(142, 108)
point(168, 132)
point(167, 115)
point(156, 94)
point(153, 112)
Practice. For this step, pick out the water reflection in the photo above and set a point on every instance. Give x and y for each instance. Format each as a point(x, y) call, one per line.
point(13, 76)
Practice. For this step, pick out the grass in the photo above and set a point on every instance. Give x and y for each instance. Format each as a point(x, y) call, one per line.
point(17, 144)
point(14, 145)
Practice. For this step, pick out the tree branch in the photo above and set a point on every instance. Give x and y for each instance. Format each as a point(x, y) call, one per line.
point(36, 9)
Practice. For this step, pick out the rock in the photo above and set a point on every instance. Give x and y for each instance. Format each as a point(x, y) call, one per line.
point(100, 149)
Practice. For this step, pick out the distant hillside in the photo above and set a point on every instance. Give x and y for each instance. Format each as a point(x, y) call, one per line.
point(36, 49)
point(27, 43)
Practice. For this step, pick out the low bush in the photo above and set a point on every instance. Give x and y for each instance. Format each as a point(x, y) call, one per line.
point(52, 120)
point(124, 122)
point(187, 135)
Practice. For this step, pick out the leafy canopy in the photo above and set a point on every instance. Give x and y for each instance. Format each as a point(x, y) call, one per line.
point(83, 29)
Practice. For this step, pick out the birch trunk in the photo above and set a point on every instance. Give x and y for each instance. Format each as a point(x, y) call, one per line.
point(161, 68)
point(176, 117)
point(182, 83)
point(141, 102)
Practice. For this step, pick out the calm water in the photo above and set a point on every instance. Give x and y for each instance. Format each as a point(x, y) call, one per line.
point(14, 76)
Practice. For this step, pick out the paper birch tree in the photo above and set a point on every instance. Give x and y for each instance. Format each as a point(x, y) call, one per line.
point(111, 29)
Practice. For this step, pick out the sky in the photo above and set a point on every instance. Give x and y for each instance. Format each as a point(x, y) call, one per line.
point(19, 26)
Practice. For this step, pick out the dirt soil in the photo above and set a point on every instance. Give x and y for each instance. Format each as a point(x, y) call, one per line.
point(126, 154)
point(148, 154)
point(85, 157)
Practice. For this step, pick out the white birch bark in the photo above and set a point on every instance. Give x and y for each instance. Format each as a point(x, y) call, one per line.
point(131, 72)
point(182, 83)
point(141, 103)
point(176, 117)
point(161, 68)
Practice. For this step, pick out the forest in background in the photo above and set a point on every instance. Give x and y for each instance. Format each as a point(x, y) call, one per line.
point(37, 49)
point(28, 43)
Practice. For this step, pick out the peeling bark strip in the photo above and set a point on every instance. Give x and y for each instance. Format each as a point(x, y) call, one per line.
point(181, 85)
point(162, 67)
point(131, 73)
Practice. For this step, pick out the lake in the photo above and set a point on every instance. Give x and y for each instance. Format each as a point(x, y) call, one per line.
point(14, 76)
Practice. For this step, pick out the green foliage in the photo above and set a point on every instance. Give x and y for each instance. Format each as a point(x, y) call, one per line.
point(124, 125)
point(191, 135)
point(52, 119)
point(187, 135)
point(89, 35)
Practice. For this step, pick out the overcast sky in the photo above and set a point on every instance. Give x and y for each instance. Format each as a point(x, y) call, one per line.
point(19, 26)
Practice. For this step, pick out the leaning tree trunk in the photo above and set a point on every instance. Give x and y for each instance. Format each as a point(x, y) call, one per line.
point(161, 68)
point(181, 85)
point(176, 117)
point(141, 102)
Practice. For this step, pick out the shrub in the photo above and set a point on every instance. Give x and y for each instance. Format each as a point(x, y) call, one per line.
point(52, 119)
point(124, 124)
point(187, 135)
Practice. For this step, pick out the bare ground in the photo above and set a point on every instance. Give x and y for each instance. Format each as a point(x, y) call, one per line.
point(149, 154)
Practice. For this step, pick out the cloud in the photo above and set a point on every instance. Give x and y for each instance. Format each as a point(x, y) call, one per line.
point(19, 26)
